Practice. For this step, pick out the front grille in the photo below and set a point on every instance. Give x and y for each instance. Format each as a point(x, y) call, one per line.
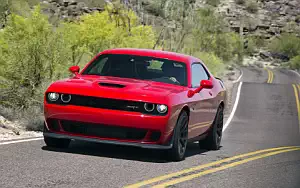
point(104, 131)
point(106, 103)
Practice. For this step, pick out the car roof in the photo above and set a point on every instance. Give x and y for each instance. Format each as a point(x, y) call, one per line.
point(152, 53)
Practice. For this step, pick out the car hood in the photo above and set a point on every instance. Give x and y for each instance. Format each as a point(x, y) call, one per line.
point(118, 88)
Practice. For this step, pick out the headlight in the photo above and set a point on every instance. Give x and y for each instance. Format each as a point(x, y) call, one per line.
point(65, 98)
point(161, 108)
point(149, 107)
point(53, 96)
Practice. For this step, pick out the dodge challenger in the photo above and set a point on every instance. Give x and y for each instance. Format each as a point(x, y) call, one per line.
point(137, 97)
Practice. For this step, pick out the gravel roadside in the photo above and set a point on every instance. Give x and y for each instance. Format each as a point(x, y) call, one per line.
point(12, 130)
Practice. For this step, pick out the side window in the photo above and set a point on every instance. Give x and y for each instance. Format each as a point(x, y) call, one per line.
point(198, 74)
point(98, 67)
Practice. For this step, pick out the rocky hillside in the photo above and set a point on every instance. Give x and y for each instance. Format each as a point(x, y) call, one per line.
point(67, 9)
point(264, 18)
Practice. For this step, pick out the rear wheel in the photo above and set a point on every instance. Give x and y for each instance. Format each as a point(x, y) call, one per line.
point(177, 152)
point(57, 142)
point(214, 137)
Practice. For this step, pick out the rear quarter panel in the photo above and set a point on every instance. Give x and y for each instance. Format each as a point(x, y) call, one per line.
point(180, 100)
point(221, 93)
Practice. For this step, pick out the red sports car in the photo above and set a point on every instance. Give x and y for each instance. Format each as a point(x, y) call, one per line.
point(137, 97)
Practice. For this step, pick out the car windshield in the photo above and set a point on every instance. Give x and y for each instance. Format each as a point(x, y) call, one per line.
point(139, 67)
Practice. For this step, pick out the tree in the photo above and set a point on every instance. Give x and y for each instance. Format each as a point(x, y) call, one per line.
point(29, 53)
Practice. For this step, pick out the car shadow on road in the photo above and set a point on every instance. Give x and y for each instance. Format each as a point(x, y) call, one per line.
point(123, 152)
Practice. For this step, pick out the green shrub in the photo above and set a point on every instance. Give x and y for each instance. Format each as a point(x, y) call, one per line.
point(155, 7)
point(20, 7)
point(228, 45)
point(291, 27)
point(99, 31)
point(287, 43)
point(208, 35)
point(240, 2)
point(258, 42)
point(213, 62)
point(33, 53)
point(295, 62)
point(297, 19)
point(251, 46)
point(214, 3)
point(29, 53)
point(251, 6)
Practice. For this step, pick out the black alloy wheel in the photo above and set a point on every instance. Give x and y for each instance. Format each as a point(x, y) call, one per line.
point(177, 152)
point(220, 127)
point(214, 137)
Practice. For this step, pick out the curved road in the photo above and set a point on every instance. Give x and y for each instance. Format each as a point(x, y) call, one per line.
point(266, 118)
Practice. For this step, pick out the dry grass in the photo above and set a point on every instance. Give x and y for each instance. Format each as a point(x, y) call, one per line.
point(30, 119)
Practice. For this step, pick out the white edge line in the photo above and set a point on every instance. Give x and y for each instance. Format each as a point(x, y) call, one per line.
point(296, 72)
point(234, 106)
point(239, 77)
point(19, 141)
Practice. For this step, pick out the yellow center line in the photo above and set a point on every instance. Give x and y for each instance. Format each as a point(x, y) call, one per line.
point(207, 122)
point(197, 127)
point(297, 102)
point(268, 76)
point(272, 76)
point(167, 176)
point(189, 177)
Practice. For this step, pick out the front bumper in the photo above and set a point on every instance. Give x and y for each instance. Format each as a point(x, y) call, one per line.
point(96, 140)
point(103, 120)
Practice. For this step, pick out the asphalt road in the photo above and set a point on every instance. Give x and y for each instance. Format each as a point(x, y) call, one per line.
point(266, 117)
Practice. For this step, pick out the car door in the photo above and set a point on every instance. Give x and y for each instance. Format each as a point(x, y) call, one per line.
point(201, 108)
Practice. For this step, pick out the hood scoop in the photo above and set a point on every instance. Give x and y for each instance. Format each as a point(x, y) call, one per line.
point(111, 85)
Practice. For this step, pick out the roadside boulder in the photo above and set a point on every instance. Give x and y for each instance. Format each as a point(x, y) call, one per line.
point(281, 56)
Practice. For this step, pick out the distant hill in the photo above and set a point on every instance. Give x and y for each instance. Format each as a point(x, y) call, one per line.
point(264, 18)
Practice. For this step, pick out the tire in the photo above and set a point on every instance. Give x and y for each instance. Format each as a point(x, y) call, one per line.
point(177, 152)
point(56, 142)
point(214, 137)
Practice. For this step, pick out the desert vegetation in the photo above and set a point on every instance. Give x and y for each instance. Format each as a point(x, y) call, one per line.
point(34, 53)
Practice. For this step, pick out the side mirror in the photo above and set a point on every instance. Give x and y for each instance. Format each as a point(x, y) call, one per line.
point(204, 84)
point(74, 69)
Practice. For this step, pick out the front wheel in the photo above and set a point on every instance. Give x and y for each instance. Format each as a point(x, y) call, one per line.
point(177, 152)
point(214, 137)
point(57, 142)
